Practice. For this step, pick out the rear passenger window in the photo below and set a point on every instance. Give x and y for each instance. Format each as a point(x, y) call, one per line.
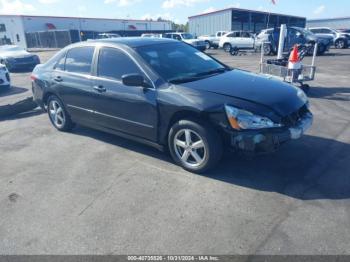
point(60, 63)
point(113, 63)
point(79, 60)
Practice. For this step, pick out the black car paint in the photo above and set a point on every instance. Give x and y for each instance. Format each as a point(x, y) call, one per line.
point(146, 114)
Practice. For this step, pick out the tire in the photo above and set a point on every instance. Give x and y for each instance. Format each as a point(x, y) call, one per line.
point(321, 49)
point(216, 47)
point(58, 114)
point(227, 47)
point(207, 45)
point(340, 44)
point(267, 48)
point(195, 146)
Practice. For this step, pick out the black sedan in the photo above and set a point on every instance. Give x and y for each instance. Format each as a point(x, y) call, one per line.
point(169, 95)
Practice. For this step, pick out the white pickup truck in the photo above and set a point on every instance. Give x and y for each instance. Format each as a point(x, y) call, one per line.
point(212, 40)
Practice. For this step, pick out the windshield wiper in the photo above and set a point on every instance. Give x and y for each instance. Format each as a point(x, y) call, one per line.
point(184, 79)
point(213, 72)
point(198, 76)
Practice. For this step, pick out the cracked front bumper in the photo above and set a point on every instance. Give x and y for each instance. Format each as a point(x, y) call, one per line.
point(269, 140)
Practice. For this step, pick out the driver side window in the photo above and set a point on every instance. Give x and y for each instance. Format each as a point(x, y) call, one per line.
point(114, 63)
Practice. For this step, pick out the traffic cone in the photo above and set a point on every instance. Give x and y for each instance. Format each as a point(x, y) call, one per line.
point(294, 60)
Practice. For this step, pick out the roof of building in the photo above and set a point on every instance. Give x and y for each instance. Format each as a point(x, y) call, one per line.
point(329, 19)
point(82, 18)
point(241, 9)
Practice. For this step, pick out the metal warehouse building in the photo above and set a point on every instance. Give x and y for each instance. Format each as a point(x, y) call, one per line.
point(232, 19)
point(50, 31)
point(335, 23)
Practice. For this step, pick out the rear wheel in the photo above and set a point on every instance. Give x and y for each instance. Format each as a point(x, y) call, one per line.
point(194, 145)
point(227, 47)
point(58, 115)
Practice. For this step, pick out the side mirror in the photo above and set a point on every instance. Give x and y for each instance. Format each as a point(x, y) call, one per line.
point(134, 80)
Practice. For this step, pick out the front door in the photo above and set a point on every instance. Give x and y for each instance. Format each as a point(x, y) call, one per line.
point(127, 109)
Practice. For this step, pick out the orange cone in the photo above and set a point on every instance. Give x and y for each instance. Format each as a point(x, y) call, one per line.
point(294, 60)
point(294, 55)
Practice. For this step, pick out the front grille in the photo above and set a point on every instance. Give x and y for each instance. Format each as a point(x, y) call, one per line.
point(292, 119)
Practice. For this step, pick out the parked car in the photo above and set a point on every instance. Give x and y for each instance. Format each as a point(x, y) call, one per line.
point(295, 35)
point(166, 94)
point(212, 40)
point(187, 38)
point(238, 40)
point(17, 58)
point(340, 39)
point(107, 35)
point(346, 31)
point(4, 78)
point(152, 35)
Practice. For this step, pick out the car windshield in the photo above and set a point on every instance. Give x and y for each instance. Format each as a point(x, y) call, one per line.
point(305, 32)
point(178, 62)
point(187, 36)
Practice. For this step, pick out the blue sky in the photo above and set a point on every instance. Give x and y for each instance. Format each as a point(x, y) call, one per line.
point(176, 10)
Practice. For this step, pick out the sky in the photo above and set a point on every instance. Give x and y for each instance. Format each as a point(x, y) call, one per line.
point(175, 10)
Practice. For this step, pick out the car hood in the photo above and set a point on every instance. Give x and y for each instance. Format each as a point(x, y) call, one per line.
point(15, 54)
point(280, 97)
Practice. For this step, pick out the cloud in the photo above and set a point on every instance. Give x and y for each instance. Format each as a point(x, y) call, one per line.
point(48, 2)
point(209, 10)
point(166, 16)
point(82, 10)
point(122, 3)
point(319, 10)
point(15, 7)
point(167, 4)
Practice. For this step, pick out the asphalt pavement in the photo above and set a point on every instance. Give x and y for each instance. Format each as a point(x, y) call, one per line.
point(88, 192)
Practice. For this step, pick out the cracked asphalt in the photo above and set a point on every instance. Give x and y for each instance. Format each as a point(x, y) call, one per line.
point(88, 192)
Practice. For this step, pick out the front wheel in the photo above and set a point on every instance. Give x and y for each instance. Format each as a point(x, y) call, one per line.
point(194, 145)
point(340, 44)
point(58, 115)
point(207, 45)
point(227, 47)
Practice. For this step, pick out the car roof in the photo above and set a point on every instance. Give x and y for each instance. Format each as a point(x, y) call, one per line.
point(134, 41)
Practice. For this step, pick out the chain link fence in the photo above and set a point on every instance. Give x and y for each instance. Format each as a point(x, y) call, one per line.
point(49, 39)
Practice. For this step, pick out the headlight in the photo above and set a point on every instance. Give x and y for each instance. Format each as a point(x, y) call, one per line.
point(242, 119)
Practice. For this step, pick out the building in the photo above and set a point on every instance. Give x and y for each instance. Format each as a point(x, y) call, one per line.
point(335, 23)
point(51, 31)
point(233, 19)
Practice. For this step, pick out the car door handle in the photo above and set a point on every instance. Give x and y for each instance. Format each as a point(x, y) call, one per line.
point(58, 79)
point(100, 88)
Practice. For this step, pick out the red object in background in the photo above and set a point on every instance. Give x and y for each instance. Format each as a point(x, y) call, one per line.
point(132, 27)
point(50, 26)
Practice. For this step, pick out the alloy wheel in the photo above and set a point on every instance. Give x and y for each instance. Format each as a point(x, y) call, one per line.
point(190, 148)
point(340, 44)
point(57, 114)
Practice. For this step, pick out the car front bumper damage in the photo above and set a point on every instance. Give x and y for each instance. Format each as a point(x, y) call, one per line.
point(269, 140)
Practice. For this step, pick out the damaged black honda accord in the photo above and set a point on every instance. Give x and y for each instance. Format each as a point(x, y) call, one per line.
point(169, 95)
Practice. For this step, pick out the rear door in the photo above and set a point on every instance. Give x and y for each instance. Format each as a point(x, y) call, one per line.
point(247, 40)
point(128, 109)
point(72, 80)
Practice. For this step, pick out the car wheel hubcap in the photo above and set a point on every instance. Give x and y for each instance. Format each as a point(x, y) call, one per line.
point(189, 148)
point(56, 114)
point(340, 44)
